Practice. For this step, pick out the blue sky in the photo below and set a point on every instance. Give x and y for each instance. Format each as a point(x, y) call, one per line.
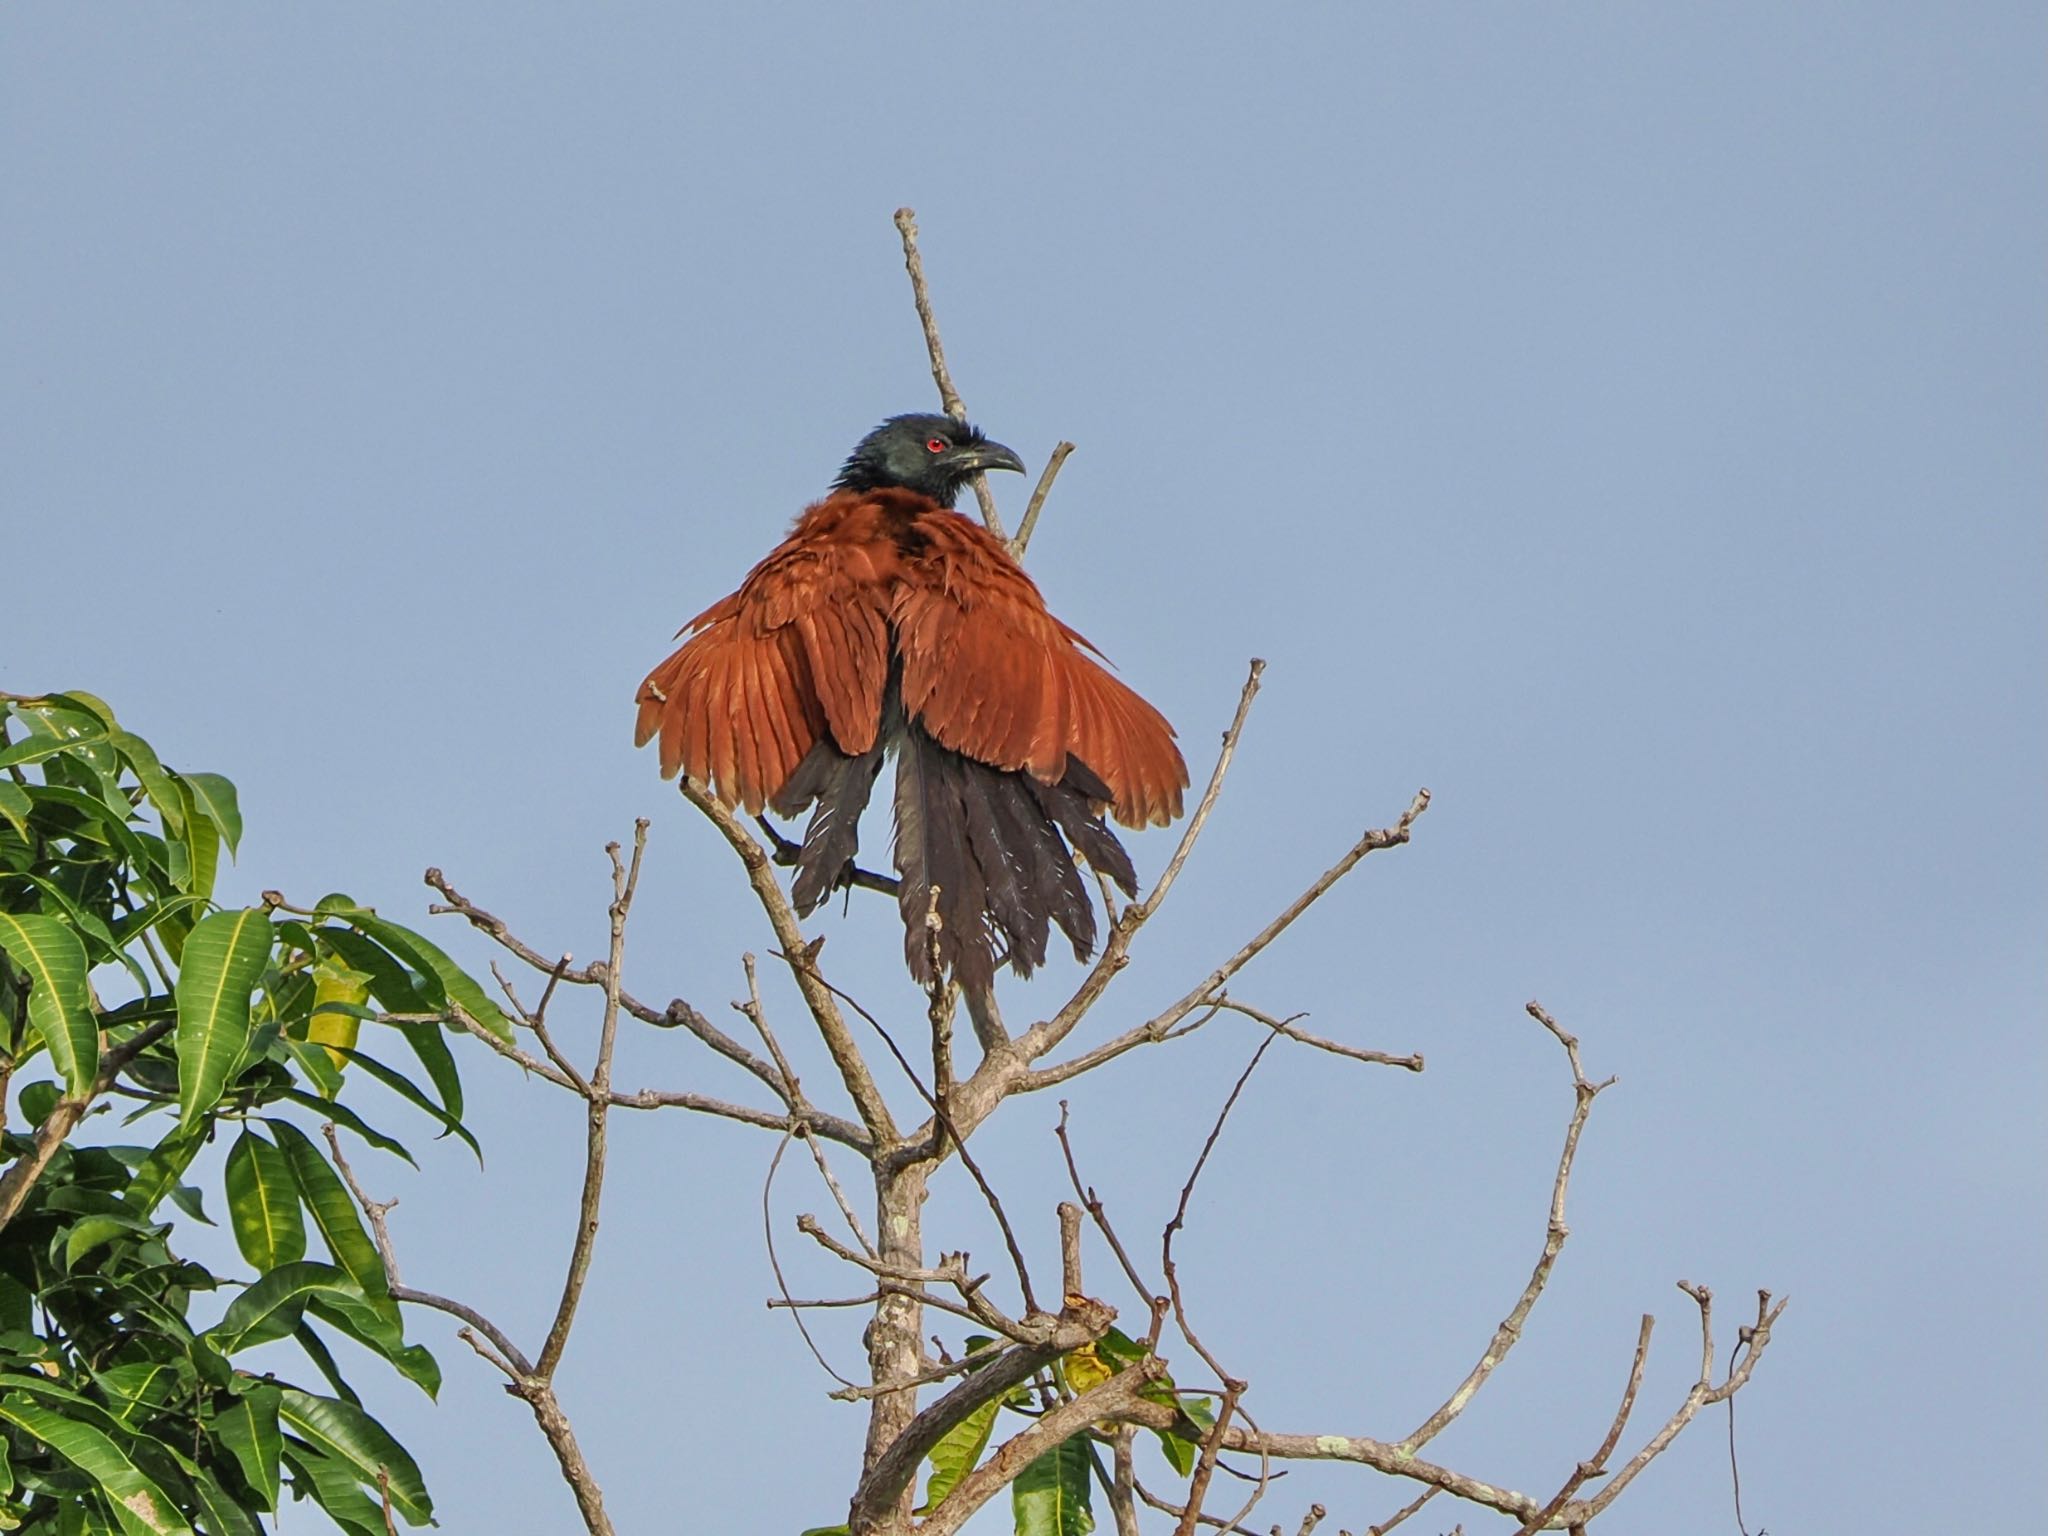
point(1625, 421)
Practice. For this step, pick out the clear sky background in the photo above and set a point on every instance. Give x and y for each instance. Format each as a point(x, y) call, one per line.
point(1623, 420)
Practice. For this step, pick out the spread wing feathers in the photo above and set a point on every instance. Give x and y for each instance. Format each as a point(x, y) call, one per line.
point(798, 656)
point(993, 675)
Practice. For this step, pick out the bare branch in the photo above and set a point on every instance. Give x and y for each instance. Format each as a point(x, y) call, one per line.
point(1555, 1232)
point(794, 1307)
point(1596, 1464)
point(1403, 1512)
point(597, 1105)
point(63, 1118)
point(678, 1014)
point(508, 1359)
point(846, 1056)
point(1701, 1394)
point(1037, 503)
point(949, 397)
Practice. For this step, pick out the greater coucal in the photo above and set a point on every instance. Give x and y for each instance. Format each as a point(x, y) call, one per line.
point(885, 622)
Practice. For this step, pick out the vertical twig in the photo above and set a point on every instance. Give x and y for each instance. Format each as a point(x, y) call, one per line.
point(949, 397)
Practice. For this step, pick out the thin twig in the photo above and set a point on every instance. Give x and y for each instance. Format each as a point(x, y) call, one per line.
point(1037, 503)
point(678, 1014)
point(846, 1056)
point(949, 397)
point(63, 1118)
point(509, 1358)
point(1584, 1091)
point(1596, 1464)
point(1403, 1512)
point(794, 1307)
point(597, 1106)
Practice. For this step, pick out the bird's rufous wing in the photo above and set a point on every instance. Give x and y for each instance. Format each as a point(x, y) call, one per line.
point(799, 652)
point(993, 675)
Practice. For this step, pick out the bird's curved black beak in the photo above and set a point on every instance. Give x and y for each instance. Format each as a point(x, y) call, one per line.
point(976, 457)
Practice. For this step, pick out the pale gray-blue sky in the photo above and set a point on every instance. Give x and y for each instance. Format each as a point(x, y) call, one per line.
point(1623, 420)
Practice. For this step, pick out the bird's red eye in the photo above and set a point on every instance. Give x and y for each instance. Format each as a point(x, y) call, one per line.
point(935, 445)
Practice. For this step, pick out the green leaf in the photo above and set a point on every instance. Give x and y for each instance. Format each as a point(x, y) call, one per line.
point(332, 1485)
point(249, 1430)
point(42, 745)
point(158, 784)
point(224, 1516)
point(317, 1065)
point(38, 1099)
point(345, 1432)
point(421, 954)
point(136, 1389)
point(195, 853)
point(137, 1502)
point(342, 1115)
point(160, 1171)
point(271, 1307)
point(94, 1232)
point(406, 1089)
point(377, 1333)
point(59, 1001)
point(308, 1338)
point(216, 797)
point(957, 1453)
point(1181, 1453)
point(15, 805)
point(263, 1203)
point(333, 1210)
point(1051, 1496)
point(223, 961)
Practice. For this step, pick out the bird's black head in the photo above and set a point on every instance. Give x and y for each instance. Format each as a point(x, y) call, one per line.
point(932, 455)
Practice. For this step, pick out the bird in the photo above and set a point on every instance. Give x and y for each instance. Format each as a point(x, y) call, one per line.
point(886, 623)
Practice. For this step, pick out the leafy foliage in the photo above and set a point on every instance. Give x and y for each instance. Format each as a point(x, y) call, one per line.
point(121, 979)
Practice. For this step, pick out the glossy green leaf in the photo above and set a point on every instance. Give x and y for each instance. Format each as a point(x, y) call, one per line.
point(423, 956)
point(94, 1232)
point(333, 1210)
point(156, 782)
point(134, 1391)
point(223, 960)
point(271, 1307)
point(376, 1332)
point(1051, 1497)
point(59, 1001)
point(142, 1507)
point(406, 1089)
point(15, 806)
point(249, 1430)
point(195, 854)
point(317, 1066)
point(216, 797)
point(38, 1099)
point(343, 1116)
point(263, 1203)
point(332, 1484)
point(308, 1338)
point(345, 1432)
point(45, 744)
point(224, 1516)
point(160, 1171)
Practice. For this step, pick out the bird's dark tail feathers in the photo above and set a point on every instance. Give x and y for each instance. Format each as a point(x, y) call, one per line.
point(999, 845)
point(990, 839)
